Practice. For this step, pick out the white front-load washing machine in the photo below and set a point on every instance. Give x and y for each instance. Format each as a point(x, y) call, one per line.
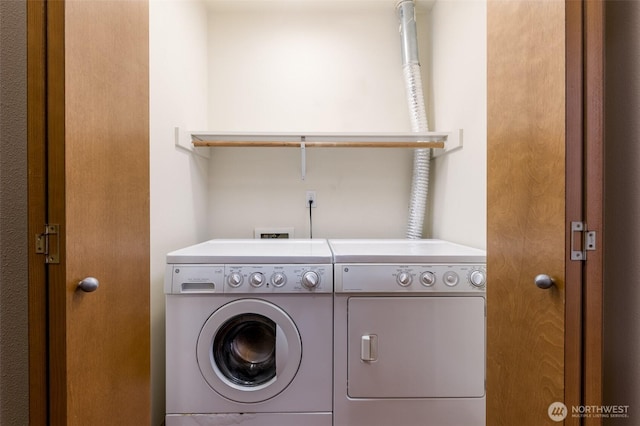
point(249, 333)
point(409, 333)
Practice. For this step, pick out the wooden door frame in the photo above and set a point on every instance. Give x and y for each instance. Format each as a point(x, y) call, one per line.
point(574, 205)
point(593, 282)
point(585, 203)
point(37, 210)
point(45, 123)
point(45, 34)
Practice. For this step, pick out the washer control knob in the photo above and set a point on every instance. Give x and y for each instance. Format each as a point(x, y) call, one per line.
point(478, 278)
point(428, 279)
point(278, 279)
point(404, 279)
point(310, 280)
point(256, 279)
point(235, 279)
point(451, 278)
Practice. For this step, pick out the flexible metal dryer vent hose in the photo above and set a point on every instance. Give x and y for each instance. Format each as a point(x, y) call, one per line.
point(418, 117)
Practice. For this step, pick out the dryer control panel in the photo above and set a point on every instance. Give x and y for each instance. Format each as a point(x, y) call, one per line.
point(411, 278)
point(248, 278)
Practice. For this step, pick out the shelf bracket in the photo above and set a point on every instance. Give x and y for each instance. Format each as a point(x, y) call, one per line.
point(183, 142)
point(453, 143)
point(303, 157)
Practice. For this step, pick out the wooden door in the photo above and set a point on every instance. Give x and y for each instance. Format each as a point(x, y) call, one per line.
point(525, 210)
point(91, 107)
point(537, 183)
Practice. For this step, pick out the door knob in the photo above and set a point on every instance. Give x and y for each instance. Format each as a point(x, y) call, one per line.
point(544, 281)
point(88, 284)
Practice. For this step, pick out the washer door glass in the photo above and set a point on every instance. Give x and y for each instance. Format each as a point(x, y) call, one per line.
point(245, 350)
point(249, 350)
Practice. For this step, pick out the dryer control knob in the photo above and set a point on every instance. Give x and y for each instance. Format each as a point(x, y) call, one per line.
point(451, 278)
point(235, 279)
point(256, 279)
point(404, 279)
point(478, 278)
point(278, 279)
point(428, 279)
point(310, 280)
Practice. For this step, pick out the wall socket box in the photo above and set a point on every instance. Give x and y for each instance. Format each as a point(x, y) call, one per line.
point(272, 233)
point(311, 196)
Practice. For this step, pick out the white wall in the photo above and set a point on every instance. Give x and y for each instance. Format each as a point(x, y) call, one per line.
point(327, 66)
point(622, 210)
point(178, 82)
point(458, 101)
point(321, 66)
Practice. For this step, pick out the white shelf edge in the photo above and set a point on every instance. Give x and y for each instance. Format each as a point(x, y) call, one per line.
point(297, 137)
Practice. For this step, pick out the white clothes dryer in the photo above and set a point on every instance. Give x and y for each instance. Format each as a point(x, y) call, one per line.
point(249, 333)
point(409, 319)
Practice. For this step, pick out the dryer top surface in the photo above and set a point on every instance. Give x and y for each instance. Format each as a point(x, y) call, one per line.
point(404, 251)
point(242, 251)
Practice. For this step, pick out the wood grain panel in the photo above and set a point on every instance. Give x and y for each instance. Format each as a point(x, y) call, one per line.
point(575, 153)
point(525, 217)
point(57, 315)
point(37, 168)
point(100, 140)
point(594, 202)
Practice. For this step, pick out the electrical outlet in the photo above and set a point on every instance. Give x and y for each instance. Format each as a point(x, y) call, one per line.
point(311, 197)
point(269, 233)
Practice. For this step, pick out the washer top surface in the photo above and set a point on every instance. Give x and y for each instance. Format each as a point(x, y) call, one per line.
point(403, 251)
point(266, 251)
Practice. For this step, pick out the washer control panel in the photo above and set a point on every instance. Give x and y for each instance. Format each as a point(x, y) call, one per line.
point(255, 279)
point(381, 278)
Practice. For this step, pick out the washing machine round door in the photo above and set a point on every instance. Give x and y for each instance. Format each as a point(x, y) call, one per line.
point(249, 350)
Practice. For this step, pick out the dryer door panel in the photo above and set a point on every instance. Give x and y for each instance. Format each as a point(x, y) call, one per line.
point(416, 347)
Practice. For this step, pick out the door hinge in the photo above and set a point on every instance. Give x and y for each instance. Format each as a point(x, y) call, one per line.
point(585, 239)
point(48, 243)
